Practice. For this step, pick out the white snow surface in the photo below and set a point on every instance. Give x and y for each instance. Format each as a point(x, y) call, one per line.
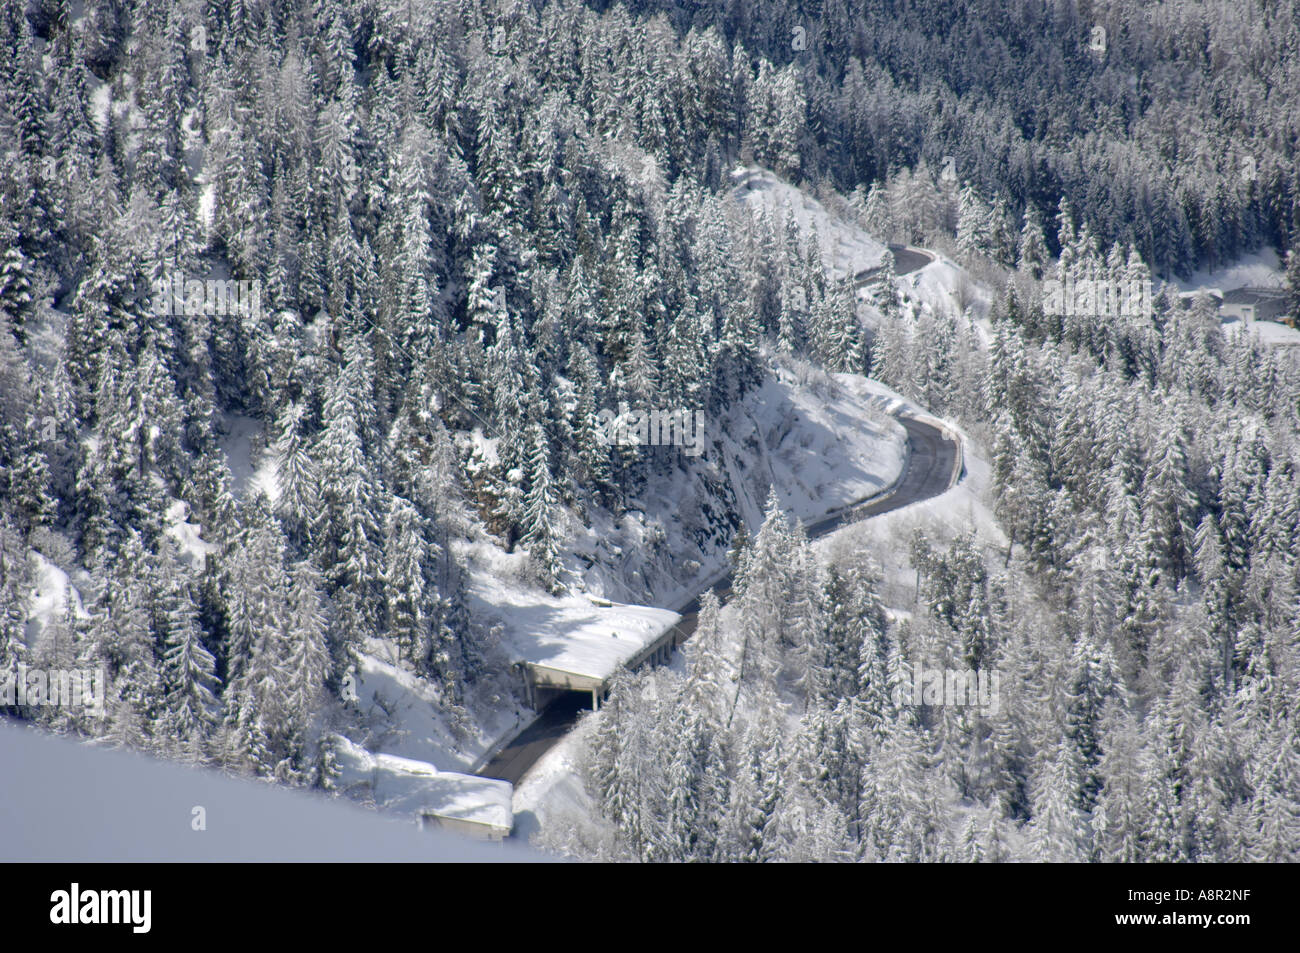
point(49, 598)
point(939, 286)
point(404, 715)
point(409, 787)
point(75, 803)
point(187, 535)
point(1266, 332)
point(249, 471)
point(571, 633)
point(846, 248)
point(838, 448)
point(1258, 269)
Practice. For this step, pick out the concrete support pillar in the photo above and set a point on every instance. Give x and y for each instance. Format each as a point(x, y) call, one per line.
point(595, 700)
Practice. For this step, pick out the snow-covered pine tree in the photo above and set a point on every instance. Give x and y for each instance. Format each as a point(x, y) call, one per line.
point(297, 499)
point(541, 513)
point(189, 668)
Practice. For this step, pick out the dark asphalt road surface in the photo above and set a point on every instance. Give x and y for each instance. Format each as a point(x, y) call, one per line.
point(906, 261)
point(931, 459)
point(538, 738)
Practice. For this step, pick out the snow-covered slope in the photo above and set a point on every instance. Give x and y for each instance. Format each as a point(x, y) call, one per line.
point(1259, 269)
point(410, 788)
point(846, 248)
point(817, 442)
point(69, 802)
point(799, 432)
point(941, 286)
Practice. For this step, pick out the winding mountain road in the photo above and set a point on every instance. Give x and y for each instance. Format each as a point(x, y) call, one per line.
point(931, 461)
point(931, 468)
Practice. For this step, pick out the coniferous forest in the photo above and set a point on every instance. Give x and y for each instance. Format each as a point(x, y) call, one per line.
point(421, 246)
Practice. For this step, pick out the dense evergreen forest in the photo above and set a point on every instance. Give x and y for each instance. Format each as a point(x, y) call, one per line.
point(1145, 623)
point(1176, 133)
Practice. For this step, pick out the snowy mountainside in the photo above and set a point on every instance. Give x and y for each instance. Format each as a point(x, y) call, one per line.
point(846, 248)
point(940, 287)
point(803, 432)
